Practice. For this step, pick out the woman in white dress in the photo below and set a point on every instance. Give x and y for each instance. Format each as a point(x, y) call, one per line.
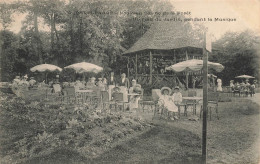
point(135, 89)
point(167, 101)
point(219, 88)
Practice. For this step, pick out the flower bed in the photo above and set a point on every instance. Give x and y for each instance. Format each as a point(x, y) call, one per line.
point(35, 129)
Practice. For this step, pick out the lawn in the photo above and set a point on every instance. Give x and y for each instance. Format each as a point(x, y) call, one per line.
point(34, 133)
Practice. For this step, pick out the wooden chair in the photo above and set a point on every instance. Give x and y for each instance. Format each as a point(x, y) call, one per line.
point(96, 96)
point(69, 95)
point(118, 100)
point(191, 103)
point(213, 99)
point(105, 99)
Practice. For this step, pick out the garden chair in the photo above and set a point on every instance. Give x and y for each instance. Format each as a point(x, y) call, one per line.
point(118, 100)
point(96, 96)
point(213, 99)
point(146, 102)
point(105, 99)
point(69, 95)
point(191, 103)
point(236, 91)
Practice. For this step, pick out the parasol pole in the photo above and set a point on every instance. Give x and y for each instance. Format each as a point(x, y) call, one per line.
point(187, 76)
point(187, 80)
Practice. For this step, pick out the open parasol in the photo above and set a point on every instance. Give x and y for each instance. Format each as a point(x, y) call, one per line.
point(193, 65)
point(85, 67)
point(245, 77)
point(45, 67)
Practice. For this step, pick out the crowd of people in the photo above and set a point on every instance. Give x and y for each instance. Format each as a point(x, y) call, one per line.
point(243, 87)
point(110, 84)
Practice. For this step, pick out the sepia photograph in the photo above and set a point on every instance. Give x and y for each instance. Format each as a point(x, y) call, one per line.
point(129, 81)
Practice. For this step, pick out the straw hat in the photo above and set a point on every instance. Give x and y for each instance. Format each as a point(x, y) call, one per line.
point(177, 87)
point(93, 78)
point(17, 77)
point(166, 88)
point(115, 88)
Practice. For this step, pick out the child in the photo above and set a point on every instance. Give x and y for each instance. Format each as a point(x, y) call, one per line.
point(177, 96)
point(167, 102)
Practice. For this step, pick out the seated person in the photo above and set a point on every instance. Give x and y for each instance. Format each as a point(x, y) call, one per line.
point(79, 84)
point(115, 91)
point(32, 82)
point(177, 96)
point(91, 83)
point(24, 83)
point(131, 89)
point(133, 102)
point(100, 84)
point(167, 102)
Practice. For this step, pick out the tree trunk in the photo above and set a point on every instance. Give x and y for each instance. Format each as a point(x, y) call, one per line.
point(37, 38)
point(52, 32)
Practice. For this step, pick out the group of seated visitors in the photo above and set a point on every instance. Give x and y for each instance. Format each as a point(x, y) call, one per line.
point(243, 87)
point(21, 82)
point(170, 101)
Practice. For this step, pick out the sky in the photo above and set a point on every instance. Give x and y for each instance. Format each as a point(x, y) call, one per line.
point(246, 13)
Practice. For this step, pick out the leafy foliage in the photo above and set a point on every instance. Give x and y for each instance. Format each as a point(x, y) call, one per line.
point(239, 53)
point(37, 128)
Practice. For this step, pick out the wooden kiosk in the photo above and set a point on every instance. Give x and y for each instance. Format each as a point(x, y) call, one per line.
point(163, 45)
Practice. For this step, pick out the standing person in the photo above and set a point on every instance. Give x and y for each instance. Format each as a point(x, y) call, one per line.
point(123, 83)
point(111, 82)
point(231, 85)
point(135, 89)
point(32, 82)
point(219, 88)
point(105, 83)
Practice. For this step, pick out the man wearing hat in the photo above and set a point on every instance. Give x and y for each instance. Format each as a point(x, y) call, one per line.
point(123, 83)
point(111, 82)
point(167, 102)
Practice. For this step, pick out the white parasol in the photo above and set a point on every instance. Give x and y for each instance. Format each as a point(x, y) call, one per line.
point(194, 65)
point(45, 67)
point(245, 77)
point(85, 67)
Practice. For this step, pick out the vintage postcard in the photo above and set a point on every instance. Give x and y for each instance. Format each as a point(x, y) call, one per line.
point(129, 81)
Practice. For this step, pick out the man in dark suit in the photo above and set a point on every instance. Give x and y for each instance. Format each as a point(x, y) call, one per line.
point(124, 81)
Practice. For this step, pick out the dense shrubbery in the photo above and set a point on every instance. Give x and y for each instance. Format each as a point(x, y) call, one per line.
point(32, 129)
